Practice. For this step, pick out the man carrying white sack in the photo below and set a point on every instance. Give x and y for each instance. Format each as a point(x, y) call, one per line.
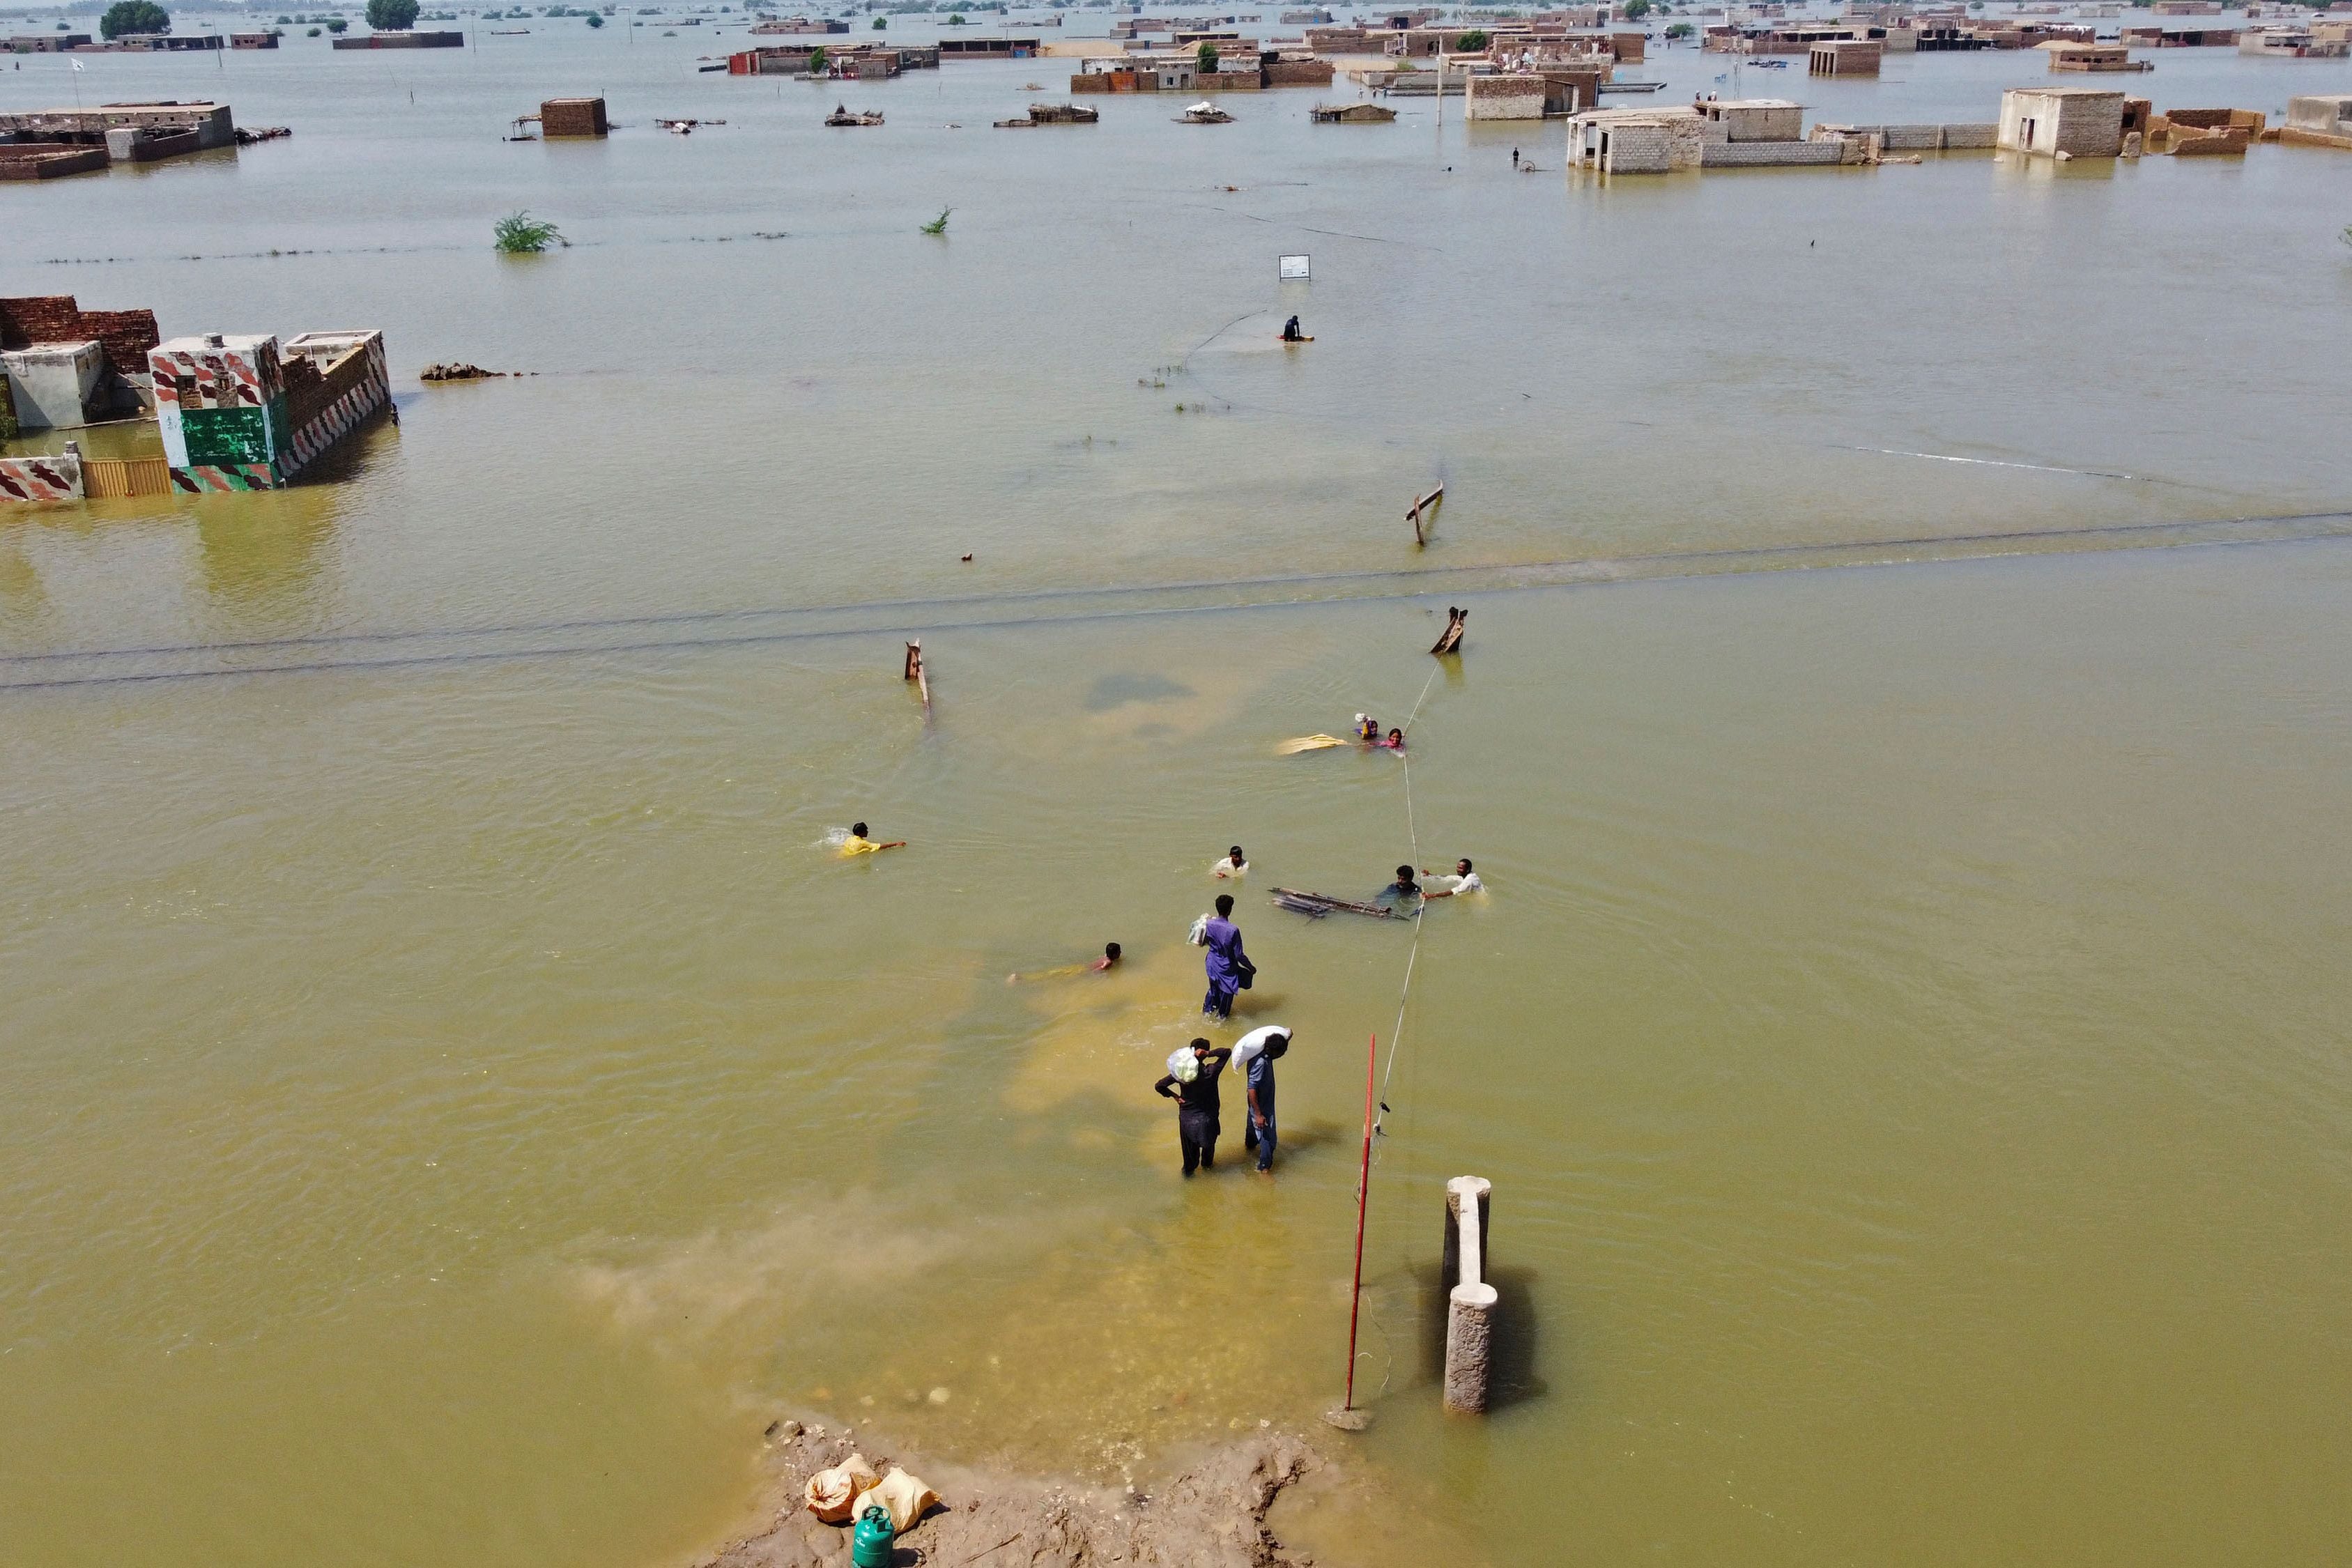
point(1254, 1059)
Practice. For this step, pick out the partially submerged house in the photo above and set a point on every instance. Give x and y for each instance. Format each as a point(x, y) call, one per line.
point(2061, 122)
point(64, 366)
point(2179, 37)
point(41, 143)
point(1052, 115)
point(2071, 56)
point(237, 414)
point(1752, 119)
point(1846, 57)
point(1353, 114)
point(1504, 97)
point(581, 116)
point(1636, 141)
point(2319, 120)
point(2293, 43)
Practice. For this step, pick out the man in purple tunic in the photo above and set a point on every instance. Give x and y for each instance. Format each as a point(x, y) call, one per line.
point(1229, 967)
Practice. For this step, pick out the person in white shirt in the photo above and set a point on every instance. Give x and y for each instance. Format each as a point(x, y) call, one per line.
point(1465, 880)
point(1234, 864)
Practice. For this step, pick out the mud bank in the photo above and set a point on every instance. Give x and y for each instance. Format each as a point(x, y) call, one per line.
point(1211, 1514)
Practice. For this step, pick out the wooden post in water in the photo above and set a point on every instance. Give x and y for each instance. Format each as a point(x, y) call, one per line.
point(1421, 504)
point(1469, 1299)
point(1456, 622)
point(915, 672)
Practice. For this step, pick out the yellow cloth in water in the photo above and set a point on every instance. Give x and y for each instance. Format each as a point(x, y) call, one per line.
point(1307, 743)
point(859, 847)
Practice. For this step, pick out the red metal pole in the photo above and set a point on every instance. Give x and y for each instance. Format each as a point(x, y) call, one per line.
point(1363, 1199)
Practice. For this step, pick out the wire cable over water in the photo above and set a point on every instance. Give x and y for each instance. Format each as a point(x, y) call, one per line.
point(1413, 957)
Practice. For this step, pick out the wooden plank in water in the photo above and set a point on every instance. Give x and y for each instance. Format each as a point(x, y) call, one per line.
point(1427, 503)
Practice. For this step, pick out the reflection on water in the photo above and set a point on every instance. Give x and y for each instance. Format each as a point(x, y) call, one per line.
point(262, 556)
point(450, 1075)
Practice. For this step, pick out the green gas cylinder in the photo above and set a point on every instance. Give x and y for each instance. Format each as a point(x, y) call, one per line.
point(870, 1546)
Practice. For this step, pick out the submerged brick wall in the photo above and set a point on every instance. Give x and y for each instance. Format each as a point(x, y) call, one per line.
point(1770, 154)
point(1299, 73)
point(125, 335)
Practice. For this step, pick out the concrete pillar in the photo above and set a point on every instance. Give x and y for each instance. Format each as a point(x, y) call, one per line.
point(1469, 1299)
point(1469, 1342)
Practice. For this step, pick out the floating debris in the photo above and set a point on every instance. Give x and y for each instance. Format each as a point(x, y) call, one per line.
point(462, 371)
point(841, 116)
point(1314, 906)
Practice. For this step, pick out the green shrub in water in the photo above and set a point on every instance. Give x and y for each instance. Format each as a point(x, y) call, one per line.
point(520, 234)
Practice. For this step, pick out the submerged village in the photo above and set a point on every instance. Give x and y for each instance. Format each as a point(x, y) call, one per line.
point(651, 648)
point(232, 407)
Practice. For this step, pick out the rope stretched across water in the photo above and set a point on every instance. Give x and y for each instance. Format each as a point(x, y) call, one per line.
point(1413, 831)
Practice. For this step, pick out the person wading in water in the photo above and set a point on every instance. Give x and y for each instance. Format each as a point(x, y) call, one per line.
point(1196, 1106)
point(1228, 966)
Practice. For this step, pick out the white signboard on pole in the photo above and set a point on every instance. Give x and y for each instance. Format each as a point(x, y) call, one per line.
point(1293, 269)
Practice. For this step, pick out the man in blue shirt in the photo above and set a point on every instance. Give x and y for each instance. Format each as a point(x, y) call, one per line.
point(1254, 1057)
point(1228, 966)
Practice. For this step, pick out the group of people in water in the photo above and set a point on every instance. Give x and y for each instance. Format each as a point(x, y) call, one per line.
point(1191, 1080)
point(1193, 1071)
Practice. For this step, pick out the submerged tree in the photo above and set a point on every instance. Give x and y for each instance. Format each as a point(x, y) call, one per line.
point(520, 234)
point(134, 16)
point(1207, 60)
point(392, 15)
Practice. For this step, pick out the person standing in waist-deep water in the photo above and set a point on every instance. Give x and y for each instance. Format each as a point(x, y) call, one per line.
point(1254, 1054)
point(1196, 1106)
point(1234, 864)
point(1229, 967)
point(1465, 880)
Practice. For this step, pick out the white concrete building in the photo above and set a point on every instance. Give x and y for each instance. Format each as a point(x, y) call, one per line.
point(2061, 122)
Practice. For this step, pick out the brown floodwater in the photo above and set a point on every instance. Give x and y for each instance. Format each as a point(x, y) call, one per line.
point(452, 1097)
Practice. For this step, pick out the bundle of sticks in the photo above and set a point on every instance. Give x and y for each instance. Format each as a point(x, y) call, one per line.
point(1314, 906)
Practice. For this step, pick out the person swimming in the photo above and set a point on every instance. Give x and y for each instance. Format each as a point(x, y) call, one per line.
point(1109, 960)
point(1395, 742)
point(1368, 729)
point(1234, 864)
point(858, 844)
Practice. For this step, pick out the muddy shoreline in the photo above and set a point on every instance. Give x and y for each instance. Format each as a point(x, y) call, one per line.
point(1212, 1513)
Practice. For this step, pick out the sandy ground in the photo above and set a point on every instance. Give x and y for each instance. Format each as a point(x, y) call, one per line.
point(1210, 1515)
